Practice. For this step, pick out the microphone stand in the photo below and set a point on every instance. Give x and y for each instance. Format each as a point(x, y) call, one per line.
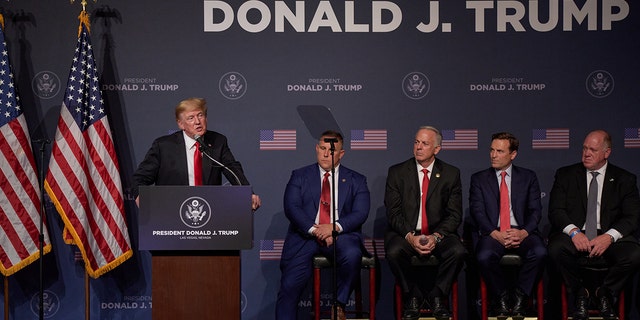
point(334, 233)
point(203, 147)
point(43, 143)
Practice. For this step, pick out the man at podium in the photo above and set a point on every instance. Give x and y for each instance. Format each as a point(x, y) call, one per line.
point(192, 156)
point(308, 205)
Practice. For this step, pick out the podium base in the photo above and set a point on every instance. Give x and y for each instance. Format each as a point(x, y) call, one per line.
point(195, 285)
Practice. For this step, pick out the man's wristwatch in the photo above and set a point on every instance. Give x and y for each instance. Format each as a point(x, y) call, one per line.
point(437, 237)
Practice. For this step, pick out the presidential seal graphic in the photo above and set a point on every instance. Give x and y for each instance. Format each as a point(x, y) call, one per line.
point(50, 304)
point(233, 85)
point(416, 85)
point(46, 84)
point(600, 84)
point(195, 212)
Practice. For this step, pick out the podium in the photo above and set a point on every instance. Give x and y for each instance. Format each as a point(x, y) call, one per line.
point(195, 234)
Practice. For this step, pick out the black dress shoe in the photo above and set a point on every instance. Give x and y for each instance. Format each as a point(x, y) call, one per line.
point(581, 312)
point(439, 308)
point(605, 305)
point(520, 301)
point(502, 309)
point(411, 309)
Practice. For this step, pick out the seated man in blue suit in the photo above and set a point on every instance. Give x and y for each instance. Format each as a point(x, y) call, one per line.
point(505, 208)
point(307, 205)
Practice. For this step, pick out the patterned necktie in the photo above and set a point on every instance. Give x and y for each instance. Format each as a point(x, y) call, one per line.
point(325, 201)
point(197, 166)
point(505, 215)
point(424, 228)
point(591, 225)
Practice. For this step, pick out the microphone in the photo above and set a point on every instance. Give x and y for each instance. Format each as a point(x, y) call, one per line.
point(204, 146)
point(331, 140)
point(199, 139)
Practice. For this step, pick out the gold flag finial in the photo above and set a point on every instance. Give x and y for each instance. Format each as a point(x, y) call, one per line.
point(84, 4)
point(83, 17)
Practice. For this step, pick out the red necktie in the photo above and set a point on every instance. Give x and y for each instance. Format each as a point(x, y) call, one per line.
point(197, 166)
point(505, 216)
point(325, 201)
point(425, 187)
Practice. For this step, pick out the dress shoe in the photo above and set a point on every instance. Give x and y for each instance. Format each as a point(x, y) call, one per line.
point(520, 301)
point(502, 309)
point(411, 309)
point(340, 313)
point(605, 305)
point(439, 308)
point(581, 311)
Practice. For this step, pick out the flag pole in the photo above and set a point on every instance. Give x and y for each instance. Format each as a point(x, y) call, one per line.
point(41, 235)
point(84, 19)
point(87, 297)
point(6, 298)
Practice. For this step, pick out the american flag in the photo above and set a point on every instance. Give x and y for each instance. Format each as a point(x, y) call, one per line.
point(271, 249)
point(84, 180)
point(550, 139)
point(368, 139)
point(460, 139)
point(375, 247)
point(20, 196)
point(632, 137)
point(277, 140)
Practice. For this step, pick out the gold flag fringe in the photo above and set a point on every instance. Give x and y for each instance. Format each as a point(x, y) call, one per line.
point(84, 19)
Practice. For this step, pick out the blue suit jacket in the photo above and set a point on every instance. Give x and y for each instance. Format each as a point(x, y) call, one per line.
point(484, 200)
point(301, 200)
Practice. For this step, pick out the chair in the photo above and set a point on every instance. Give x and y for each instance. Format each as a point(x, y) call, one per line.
point(512, 261)
point(368, 262)
point(427, 261)
point(593, 265)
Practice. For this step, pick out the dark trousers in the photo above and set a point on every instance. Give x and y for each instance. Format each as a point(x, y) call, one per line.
point(450, 252)
point(489, 252)
point(623, 258)
point(298, 270)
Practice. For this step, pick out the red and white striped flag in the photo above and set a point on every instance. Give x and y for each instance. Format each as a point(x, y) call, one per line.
point(83, 179)
point(20, 192)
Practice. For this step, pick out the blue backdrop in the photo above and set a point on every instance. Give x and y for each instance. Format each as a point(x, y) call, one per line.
point(549, 71)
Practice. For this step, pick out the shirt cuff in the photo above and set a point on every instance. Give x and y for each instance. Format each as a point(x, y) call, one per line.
point(567, 229)
point(615, 234)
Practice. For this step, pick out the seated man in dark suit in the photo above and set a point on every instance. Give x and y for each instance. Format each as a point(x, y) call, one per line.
point(594, 210)
point(505, 209)
point(423, 197)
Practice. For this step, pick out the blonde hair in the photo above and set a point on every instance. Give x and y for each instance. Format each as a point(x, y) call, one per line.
point(191, 104)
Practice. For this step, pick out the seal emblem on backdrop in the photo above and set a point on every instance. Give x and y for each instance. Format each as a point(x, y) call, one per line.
point(416, 85)
point(45, 84)
point(232, 85)
point(600, 84)
point(50, 304)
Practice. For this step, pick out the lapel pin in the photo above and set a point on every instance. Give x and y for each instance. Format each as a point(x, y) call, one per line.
point(611, 180)
point(344, 180)
point(437, 175)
